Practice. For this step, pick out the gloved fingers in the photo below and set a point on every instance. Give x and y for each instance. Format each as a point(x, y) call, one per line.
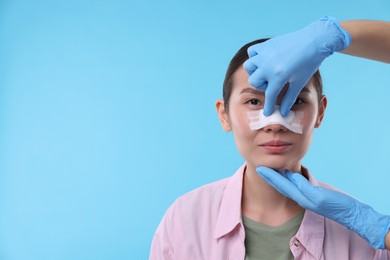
point(302, 184)
point(257, 80)
point(284, 186)
point(324, 199)
point(271, 94)
point(252, 50)
point(290, 97)
point(263, 87)
point(250, 66)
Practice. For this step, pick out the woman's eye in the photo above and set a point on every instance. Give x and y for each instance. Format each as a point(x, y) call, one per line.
point(254, 102)
point(299, 101)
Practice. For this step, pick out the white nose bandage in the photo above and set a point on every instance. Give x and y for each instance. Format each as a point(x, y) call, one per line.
point(292, 121)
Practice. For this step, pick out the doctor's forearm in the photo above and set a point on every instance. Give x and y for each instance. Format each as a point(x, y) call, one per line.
point(370, 39)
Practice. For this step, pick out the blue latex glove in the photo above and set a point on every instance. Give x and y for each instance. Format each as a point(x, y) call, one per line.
point(293, 58)
point(331, 204)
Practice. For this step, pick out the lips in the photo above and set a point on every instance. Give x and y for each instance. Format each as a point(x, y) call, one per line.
point(276, 146)
point(275, 142)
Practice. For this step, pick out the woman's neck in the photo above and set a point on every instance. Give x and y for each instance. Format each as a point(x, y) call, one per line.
point(262, 203)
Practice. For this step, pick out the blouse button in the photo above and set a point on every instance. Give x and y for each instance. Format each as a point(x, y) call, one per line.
point(297, 243)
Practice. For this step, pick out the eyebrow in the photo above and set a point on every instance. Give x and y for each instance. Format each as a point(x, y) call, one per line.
point(252, 91)
point(258, 92)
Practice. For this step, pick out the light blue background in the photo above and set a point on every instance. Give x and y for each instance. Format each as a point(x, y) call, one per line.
point(107, 115)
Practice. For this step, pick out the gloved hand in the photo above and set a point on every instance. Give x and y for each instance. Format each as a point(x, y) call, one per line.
point(293, 58)
point(347, 211)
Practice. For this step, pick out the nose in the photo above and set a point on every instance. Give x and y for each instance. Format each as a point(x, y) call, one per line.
point(275, 128)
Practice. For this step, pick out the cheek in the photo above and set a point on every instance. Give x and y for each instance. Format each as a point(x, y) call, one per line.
point(243, 135)
point(240, 123)
point(309, 120)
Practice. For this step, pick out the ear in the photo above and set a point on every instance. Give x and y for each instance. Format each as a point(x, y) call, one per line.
point(223, 115)
point(321, 111)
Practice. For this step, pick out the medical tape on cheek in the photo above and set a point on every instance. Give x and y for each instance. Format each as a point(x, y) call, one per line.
point(292, 121)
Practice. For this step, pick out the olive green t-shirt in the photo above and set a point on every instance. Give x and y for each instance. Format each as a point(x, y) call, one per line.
point(270, 243)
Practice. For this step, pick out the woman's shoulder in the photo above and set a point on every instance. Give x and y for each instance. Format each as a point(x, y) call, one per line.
point(190, 222)
point(203, 204)
point(200, 207)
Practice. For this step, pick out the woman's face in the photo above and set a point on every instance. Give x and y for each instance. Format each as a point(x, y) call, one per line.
point(274, 146)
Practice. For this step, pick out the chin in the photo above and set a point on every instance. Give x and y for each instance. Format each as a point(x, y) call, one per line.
point(279, 164)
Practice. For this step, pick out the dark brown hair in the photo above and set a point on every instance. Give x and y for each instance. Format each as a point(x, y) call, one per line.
point(239, 58)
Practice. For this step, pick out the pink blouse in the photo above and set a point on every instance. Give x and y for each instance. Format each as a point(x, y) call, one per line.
point(206, 223)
